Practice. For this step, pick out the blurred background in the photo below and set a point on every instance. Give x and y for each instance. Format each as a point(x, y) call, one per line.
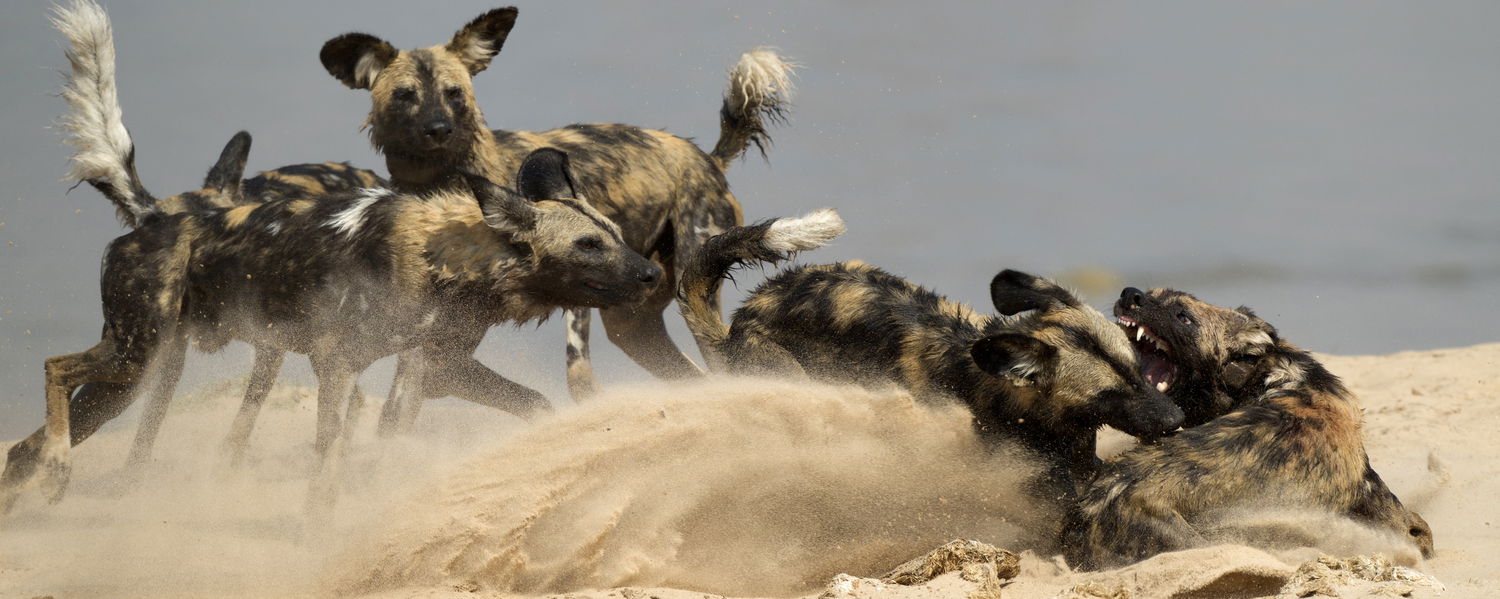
point(1335, 165)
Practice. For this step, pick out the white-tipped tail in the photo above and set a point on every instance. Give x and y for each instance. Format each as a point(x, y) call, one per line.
point(760, 90)
point(788, 235)
point(103, 154)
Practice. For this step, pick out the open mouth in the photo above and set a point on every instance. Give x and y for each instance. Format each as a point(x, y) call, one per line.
point(1156, 357)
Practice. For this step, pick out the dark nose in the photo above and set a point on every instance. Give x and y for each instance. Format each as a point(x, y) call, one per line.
point(438, 130)
point(650, 275)
point(1132, 297)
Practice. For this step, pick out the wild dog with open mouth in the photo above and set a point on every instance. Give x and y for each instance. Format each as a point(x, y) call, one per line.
point(1273, 426)
point(666, 194)
point(1047, 380)
point(372, 273)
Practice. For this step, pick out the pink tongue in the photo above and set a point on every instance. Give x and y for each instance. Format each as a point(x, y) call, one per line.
point(1155, 368)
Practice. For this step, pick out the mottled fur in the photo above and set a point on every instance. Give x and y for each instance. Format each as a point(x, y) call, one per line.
point(667, 195)
point(1282, 432)
point(1047, 379)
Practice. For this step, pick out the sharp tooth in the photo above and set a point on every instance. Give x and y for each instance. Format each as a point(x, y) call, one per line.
point(1162, 386)
point(1139, 333)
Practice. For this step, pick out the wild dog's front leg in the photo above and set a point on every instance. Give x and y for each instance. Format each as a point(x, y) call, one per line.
point(581, 382)
point(336, 381)
point(405, 389)
point(262, 376)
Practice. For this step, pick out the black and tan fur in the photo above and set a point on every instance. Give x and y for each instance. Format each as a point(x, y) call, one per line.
point(345, 280)
point(667, 195)
point(1047, 379)
point(1277, 430)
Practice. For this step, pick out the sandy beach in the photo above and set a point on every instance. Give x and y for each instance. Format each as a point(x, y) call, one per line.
point(730, 487)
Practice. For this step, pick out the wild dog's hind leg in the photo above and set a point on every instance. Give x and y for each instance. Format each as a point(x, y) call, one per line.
point(101, 363)
point(170, 361)
point(641, 333)
point(262, 376)
point(451, 369)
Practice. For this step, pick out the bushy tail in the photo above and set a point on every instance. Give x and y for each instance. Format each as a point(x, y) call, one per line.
point(767, 241)
point(103, 154)
point(760, 90)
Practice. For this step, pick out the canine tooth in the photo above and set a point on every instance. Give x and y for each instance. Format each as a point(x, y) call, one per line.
point(1139, 333)
point(1162, 386)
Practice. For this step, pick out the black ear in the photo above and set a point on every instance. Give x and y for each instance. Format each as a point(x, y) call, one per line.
point(1236, 373)
point(1014, 292)
point(481, 39)
point(502, 208)
point(227, 173)
point(545, 175)
point(1011, 354)
point(356, 58)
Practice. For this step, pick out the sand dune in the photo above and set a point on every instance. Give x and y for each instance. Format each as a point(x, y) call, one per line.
point(730, 487)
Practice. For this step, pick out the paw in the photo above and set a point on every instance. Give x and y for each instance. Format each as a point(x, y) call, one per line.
point(56, 469)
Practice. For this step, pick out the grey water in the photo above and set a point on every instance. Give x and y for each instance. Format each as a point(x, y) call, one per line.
point(1334, 165)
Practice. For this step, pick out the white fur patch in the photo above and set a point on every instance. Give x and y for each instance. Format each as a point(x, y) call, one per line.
point(788, 235)
point(478, 51)
point(760, 80)
point(95, 125)
point(366, 69)
point(274, 229)
point(572, 322)
point(349, 220)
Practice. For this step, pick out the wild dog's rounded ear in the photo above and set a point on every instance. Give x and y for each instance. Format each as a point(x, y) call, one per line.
point(1256, 332)
point(481, 39)
point(356, 58)
point(1011, 355)
point(229, 171)
point(503, 209)
point(1014, 292)
point(545, 175)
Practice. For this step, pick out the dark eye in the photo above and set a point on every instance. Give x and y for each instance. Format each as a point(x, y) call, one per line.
point(1416, 532)
point(454, 93)
point(1185, 318)
point(590, 244)
point(404, 95)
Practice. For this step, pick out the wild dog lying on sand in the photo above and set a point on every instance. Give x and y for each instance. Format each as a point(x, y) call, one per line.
point(1289, 435)
point(1047, 380)
point(667, 195)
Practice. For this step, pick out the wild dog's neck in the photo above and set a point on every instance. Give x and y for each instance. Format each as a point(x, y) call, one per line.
point(417, 174)
point(446, 238)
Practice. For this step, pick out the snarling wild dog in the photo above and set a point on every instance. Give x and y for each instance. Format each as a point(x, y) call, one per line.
point(1275, 429)
point(667, 195)
point(104, 156)
point(1047, 379)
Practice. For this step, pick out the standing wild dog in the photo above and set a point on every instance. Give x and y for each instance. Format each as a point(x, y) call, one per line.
point(390, 273)
point(1047, 380)
point(667, 195)
point(1289, 436)
point(104, 156)
point(385, 272)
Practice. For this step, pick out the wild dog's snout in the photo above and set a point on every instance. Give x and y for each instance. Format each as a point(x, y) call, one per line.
point(649, 275)
point(1132, 298)
point(437, 130)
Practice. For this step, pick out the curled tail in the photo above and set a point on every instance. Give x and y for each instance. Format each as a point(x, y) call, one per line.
point(767, 241)
point(103, 154)
point(760, 88)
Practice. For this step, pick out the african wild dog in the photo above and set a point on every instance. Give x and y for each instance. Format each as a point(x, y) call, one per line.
point(667, 195)
point(97, 133)
point(1047, 380)
point(372, 274)
point(1276, 430)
